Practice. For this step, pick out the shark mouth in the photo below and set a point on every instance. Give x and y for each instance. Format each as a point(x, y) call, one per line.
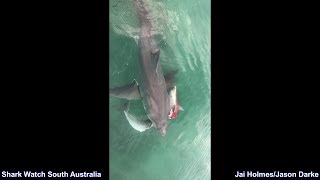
point(174, 103)
point(174, 111)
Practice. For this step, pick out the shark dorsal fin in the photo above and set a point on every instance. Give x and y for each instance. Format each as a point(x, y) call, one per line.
point(155, 57)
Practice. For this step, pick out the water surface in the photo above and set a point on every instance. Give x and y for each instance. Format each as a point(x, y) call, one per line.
point(182, 30)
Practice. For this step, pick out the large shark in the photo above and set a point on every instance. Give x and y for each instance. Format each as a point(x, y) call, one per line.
point(152, 86)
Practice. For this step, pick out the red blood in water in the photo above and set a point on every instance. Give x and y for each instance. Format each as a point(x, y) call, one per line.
point(175, 112)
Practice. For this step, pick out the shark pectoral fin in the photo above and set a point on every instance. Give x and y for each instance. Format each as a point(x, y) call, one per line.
point(129, 92)
point(180, 108)
point(147, 122)
point(170, 77)
point(139, 125)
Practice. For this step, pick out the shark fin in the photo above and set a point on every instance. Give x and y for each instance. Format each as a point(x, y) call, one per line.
point(181, 108)
point(139, 125)
point(155, 51)
point(129, 92)
point(155, 55)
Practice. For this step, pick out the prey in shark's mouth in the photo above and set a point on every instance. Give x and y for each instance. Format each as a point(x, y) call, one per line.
point(174, 103)
point(143, 124)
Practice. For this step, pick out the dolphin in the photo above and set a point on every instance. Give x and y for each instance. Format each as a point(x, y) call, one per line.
point(152, 86)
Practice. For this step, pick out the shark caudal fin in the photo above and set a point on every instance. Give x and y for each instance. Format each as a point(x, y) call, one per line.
point(129, 92)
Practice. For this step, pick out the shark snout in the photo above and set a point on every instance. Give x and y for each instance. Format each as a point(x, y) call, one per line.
point(163, 130)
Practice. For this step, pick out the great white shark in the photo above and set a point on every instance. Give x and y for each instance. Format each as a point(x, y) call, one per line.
point(152, 87)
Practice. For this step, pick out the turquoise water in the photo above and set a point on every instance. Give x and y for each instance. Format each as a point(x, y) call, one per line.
point(182, 31)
